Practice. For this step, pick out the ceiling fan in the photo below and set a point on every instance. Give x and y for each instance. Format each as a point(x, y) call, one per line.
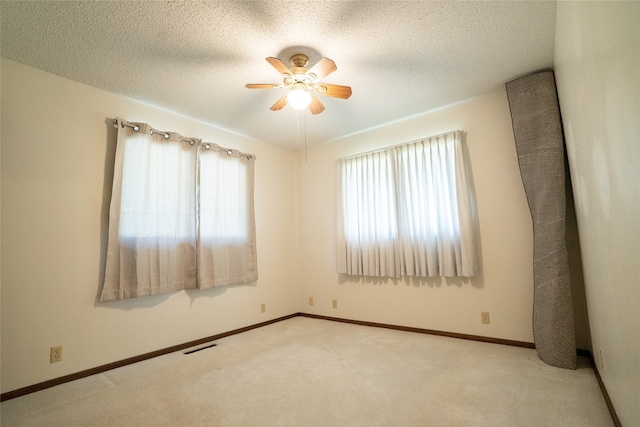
point(303, 83)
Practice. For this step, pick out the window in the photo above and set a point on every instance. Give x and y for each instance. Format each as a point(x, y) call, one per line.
point(181, 215)
point(407, 211)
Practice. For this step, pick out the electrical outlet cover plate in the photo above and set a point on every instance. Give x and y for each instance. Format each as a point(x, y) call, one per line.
point(484, 316)
point(56, 354)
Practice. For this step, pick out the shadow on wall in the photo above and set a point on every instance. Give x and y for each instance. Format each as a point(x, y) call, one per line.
point(107, 186)
point(578, 295)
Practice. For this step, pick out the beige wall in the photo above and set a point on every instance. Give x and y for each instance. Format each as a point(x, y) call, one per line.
point(597, 64)
point(505, 287)
point(57, 161)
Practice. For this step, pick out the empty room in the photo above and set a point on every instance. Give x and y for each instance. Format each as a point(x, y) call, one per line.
point(320, 213)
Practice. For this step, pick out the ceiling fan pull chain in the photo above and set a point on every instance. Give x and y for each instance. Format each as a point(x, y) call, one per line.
point(304, 117)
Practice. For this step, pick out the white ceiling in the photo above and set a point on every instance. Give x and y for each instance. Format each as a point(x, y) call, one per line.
point(401, 58)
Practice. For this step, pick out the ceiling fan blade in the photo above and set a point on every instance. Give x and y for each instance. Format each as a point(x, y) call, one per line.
point(336, 91)
point(323, 68)
point(280, 104)
point(279, 65)
point(315, 106)
point(262, 86)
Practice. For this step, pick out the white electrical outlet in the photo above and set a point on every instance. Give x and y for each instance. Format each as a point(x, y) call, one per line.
point(310, 300)
point(263, 308)
point(55, 354)
point(484, 317)
point(335, 303)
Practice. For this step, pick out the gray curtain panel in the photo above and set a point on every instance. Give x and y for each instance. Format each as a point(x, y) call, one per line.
point(537, 128)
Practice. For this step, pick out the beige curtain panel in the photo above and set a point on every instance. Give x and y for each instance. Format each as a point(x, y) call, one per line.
point(408, 210)
point(181, 215)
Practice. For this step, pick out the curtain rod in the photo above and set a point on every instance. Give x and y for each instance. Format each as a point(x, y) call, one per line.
point(379, 150)
point(192, 141)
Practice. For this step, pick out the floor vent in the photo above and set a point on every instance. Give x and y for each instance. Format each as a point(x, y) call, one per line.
point(200, 349)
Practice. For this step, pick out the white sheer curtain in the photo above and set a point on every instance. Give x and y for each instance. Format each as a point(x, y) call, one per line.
point(407, 211)
point(164, 221)
point(227, 244)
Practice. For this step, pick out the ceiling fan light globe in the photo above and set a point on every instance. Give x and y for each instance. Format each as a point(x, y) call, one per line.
point(299, 99)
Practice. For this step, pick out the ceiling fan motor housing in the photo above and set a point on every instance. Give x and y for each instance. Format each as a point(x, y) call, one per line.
point(299, 60)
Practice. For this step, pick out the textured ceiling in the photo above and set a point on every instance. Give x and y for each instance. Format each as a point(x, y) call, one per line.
point(401, 58)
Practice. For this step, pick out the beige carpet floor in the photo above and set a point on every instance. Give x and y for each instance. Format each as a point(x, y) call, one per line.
point(309, 372)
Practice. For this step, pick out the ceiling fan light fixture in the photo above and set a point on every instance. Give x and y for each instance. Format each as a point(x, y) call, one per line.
point(299, 99)
point(302, 83)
